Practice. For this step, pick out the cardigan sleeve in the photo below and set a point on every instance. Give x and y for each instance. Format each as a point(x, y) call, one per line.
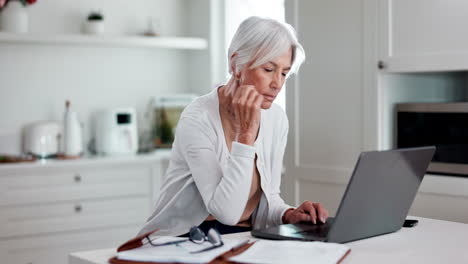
point(224, 191)
point(277, 205)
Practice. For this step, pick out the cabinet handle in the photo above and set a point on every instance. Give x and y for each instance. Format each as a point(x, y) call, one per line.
point(78, 208)
point(77, 178)
point(381, 65)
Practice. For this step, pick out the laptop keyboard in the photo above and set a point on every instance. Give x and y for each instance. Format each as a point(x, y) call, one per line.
point(317, 230)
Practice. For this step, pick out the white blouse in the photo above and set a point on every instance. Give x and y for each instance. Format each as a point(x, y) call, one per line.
point(204, 178)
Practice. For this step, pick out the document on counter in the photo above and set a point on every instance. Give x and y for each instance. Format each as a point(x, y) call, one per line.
point(179, 252)
point(298, 252)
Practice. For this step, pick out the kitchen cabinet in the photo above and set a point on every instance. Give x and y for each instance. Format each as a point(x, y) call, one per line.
point(341, 103)
point(423, 35)
point(324, 102)
point(421, 56)
point(48, 210)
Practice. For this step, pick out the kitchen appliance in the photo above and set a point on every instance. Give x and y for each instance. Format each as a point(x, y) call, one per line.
point(444, 125)
point(116, 131)
point(42, 139)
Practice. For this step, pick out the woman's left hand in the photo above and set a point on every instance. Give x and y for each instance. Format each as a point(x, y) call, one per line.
point(307, 212)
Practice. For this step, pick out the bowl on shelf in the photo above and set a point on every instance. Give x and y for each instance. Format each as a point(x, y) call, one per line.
point(93, 27)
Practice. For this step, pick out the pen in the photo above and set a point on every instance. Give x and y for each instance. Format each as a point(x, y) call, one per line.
point(240, 244)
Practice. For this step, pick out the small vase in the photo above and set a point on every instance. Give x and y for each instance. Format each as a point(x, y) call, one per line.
point(14, 18)
point(93, 27)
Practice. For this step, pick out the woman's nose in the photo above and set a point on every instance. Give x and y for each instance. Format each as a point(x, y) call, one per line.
point(276, 82)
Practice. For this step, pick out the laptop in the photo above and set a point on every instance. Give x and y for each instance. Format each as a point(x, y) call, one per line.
point(376, 201)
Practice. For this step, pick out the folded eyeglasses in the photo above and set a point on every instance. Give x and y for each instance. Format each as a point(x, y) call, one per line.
point(197, 236)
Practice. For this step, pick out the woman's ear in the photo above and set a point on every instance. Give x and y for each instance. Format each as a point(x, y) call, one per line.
point(236, 73)
point(233, 64)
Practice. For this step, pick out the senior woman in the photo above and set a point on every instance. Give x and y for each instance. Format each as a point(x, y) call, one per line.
point(225, 167)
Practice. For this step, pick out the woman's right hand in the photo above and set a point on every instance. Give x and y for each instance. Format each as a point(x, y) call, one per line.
point(306, 212)
point(246, 104)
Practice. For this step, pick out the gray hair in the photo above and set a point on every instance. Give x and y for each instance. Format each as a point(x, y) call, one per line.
point(259, 40)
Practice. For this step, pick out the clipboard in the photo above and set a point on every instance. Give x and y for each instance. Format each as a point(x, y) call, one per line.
point(138, 242)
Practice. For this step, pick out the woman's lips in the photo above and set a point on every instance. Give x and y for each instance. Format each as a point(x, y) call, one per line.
point(269, 97)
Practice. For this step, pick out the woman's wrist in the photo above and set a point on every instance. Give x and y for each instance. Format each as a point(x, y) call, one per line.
point(246, 138)
point(285, 215)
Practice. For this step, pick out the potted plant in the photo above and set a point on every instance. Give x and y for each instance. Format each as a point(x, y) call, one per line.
point(94, 23)
point(13, 15)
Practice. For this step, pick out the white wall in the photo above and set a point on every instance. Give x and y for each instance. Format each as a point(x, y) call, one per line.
point(37, 79)
point(206, 19)
point(121, 16)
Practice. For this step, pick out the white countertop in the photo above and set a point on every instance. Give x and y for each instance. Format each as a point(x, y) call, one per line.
point(159, 154)
point(431, 241)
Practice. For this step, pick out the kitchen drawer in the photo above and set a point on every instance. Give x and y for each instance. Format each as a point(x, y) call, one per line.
point(54, 249)
point(40, 177)
point(60, 217)
point(53, 186)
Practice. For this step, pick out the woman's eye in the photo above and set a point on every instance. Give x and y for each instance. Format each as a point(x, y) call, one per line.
point(284, 74)
point(268, 70)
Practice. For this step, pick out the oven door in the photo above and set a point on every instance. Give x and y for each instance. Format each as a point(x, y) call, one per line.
point(447, 131)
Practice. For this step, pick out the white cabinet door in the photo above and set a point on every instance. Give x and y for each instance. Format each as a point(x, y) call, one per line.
point(324, 101)
point(423, 35)
point(48, 185)
point(40, 219)
point(336, 104)
point(55, 247)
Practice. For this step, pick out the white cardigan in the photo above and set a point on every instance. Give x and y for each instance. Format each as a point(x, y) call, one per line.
point(203, 178)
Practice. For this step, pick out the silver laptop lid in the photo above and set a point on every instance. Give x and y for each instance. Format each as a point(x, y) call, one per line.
point(380, 193)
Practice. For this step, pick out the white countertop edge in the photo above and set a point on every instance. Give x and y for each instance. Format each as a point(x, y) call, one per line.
point(160, 154)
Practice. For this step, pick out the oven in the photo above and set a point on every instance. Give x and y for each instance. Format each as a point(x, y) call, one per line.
point(444, 125)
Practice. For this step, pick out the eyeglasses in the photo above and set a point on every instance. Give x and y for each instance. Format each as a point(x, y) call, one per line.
point(197, 236)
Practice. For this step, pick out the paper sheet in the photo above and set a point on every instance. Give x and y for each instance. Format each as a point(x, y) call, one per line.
point(177, 253)
point(297, 252)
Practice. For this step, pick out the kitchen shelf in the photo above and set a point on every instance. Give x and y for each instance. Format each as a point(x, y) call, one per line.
point(106, 41)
